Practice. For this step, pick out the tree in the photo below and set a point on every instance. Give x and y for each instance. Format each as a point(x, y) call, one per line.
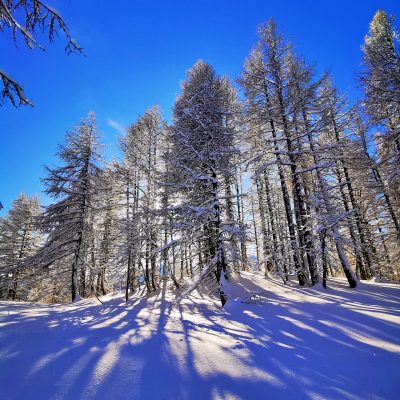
point(140, 168)
point(19, 239)
point(381, 74)
point(377, 201)
point(381, 80)
point(284, 118)
point(25, 19)
point(200, 162)
point(106, 230)
point(66, 222)
point(272, 107)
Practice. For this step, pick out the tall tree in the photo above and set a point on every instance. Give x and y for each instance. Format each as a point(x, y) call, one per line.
point(381, 80)
point(267, 81)
point(381, 74)
point(283, 113)
point(72, 185)
point(200, 163)
point(140, 159)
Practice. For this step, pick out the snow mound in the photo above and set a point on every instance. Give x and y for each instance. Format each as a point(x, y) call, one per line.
point(243, 289)
point(258, 298)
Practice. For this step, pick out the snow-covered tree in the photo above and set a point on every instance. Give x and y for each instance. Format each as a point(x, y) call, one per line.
point(284, 120)
point(381, 74)
point(200, 163)
point(107, 230)
point(381, 80)
point(272, 108)
point(66, 222)
point(140, 223)
point(19, 239)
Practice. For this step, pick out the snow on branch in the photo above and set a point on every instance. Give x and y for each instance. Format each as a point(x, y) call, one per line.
point(12, 91)
point(35, 17)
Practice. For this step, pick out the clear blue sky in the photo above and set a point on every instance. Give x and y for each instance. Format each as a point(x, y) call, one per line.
point(137, 54)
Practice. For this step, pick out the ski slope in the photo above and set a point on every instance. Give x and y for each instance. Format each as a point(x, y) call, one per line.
point(271, 341)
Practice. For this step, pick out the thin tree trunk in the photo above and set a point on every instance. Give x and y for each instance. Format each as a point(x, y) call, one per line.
point(330, 210)
point(266, 249)
point(299, 268)
point(270, 211)
point(255, 232)
point(365, 271)
point(359, 264)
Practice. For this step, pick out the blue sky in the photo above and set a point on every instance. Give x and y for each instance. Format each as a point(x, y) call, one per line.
point(137, 54)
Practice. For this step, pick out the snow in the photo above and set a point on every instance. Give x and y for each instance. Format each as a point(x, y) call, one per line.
point(271, 341)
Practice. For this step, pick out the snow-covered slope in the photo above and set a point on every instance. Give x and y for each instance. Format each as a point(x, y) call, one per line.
point(282, 343)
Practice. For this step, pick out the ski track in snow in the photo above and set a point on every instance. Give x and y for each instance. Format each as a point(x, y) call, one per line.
point(287, 343)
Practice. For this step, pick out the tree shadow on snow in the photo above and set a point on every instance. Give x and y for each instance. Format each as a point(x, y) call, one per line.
point(333, 345)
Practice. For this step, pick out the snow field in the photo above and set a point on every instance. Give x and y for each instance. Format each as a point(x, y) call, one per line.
point(271, 341)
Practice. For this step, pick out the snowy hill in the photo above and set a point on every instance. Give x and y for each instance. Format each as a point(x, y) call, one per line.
point(271, 342)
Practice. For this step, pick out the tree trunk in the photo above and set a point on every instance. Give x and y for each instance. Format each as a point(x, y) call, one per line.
point(266, 248)
point(365, 271)
point(255, 232)
point(299, 268)
point(336, 235)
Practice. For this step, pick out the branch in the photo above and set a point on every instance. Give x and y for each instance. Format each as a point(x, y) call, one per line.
point(12, 91)
point(36, 17)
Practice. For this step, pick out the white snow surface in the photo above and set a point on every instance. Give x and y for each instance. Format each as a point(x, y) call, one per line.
point(271, 341)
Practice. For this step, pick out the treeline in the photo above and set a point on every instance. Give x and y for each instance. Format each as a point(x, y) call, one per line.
point(292, 180)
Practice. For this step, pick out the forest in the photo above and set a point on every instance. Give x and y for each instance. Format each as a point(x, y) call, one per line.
point(276, 172)
point(237, 239)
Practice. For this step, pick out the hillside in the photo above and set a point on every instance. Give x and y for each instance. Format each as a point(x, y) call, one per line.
point(283, 343)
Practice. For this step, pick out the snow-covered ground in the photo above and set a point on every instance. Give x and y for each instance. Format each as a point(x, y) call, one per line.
point(284, 343)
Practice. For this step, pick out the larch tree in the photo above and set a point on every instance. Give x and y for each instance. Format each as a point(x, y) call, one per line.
point(314, 177)
point(66, 222)
point(200, 162)
point(377, 200)
point(140, 222)
point(381, 73)
point(381, 81)
point(284, 121)
point(267, 81)
point(19, 239)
